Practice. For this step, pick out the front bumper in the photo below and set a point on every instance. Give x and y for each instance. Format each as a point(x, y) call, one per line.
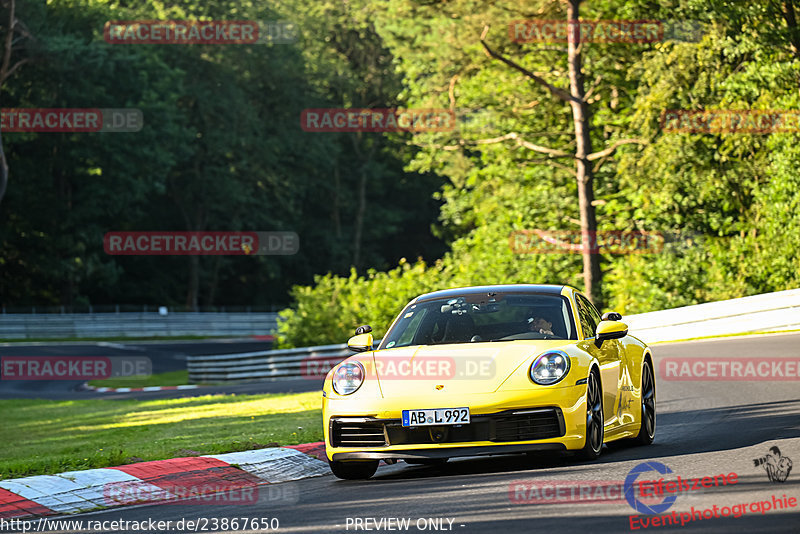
point(501, 423)
point(449, 452)
point(503, 427)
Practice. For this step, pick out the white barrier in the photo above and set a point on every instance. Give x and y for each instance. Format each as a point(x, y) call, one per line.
point(759, 313)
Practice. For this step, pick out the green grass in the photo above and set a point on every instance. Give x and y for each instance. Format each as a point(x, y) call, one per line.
point(45, 436)
point(171, 378)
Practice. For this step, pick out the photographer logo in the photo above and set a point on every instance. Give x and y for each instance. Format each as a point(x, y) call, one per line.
point(777, 467)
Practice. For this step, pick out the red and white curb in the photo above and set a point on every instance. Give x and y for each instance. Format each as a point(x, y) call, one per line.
point(231, 478)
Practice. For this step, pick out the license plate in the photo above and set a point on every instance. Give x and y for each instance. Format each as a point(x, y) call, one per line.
point(435, 417)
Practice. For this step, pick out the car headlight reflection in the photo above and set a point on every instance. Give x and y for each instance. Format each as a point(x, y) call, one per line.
point(347, 378)
point(549, 368)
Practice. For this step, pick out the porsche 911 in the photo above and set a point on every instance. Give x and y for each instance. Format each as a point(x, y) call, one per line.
point(488, 370)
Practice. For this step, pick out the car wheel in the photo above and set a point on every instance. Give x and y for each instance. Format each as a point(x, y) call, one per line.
point(648, 429)
point(426, 461)
point(355, 470)
point(594, 419)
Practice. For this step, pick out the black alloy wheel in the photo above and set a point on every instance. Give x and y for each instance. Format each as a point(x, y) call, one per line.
point(594, 418)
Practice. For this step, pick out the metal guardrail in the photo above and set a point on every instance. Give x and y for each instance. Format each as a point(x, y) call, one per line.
point(77, 325)
point(759, 313)
point(304, 362)
point(137, 308)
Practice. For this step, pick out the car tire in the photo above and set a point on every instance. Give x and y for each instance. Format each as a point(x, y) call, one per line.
point(426, 461)
point(648, 393)
point(594, 418)
point(354, 470)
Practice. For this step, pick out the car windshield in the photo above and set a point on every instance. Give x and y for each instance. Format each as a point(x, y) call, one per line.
point(482, 318)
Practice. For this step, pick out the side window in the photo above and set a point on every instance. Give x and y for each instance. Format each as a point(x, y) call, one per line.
point(566, 310)
point(594, 313)
point(588, 322)
point(412, 328)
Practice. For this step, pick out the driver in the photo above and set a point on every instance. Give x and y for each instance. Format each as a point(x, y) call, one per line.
point(540, 325)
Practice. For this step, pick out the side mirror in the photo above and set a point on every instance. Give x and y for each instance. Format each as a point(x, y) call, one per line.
point(610, 330)
point(360, 342)
point(611, 316)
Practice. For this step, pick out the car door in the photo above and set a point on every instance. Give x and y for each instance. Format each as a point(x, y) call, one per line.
point(609, 357)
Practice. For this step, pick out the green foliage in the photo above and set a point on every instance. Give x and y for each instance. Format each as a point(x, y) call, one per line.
point(728, 202)
point(330, 311)
point(221, 149)
point(738, 191)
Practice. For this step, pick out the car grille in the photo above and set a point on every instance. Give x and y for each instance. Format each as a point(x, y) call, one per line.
point(537, 424)
point(512, 425)
point(357, 433)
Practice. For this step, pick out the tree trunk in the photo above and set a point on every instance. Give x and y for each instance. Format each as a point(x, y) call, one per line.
point(4, 73)
point(208, 300)
point(791, 23)
point(582, 121)
point(365, 157)
point(194, 221)
point(337, 219)
point(3, 170)
point(194, 283)
point(360, 211)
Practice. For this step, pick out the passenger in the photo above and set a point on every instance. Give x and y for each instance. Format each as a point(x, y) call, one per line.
point(540, 325)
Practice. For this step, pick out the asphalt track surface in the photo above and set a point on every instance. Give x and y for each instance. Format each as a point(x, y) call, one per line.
point(703, 429)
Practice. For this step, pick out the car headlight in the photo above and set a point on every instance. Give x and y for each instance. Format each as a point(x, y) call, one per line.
point(550, 367)
point(347, 378)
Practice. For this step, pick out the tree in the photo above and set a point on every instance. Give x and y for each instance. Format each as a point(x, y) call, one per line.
point(583, 155)
point(731, 199)
point(16, 34)
point(221, 149)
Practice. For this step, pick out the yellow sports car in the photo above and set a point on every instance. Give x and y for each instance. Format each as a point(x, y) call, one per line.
point(488, 370)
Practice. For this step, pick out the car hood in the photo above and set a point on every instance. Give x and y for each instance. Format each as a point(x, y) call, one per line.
point(458, 368)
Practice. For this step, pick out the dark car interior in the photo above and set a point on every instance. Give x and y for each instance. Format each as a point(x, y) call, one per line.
point(471, 324)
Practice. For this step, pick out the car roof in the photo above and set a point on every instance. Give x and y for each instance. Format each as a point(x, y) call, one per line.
point(548, 289)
